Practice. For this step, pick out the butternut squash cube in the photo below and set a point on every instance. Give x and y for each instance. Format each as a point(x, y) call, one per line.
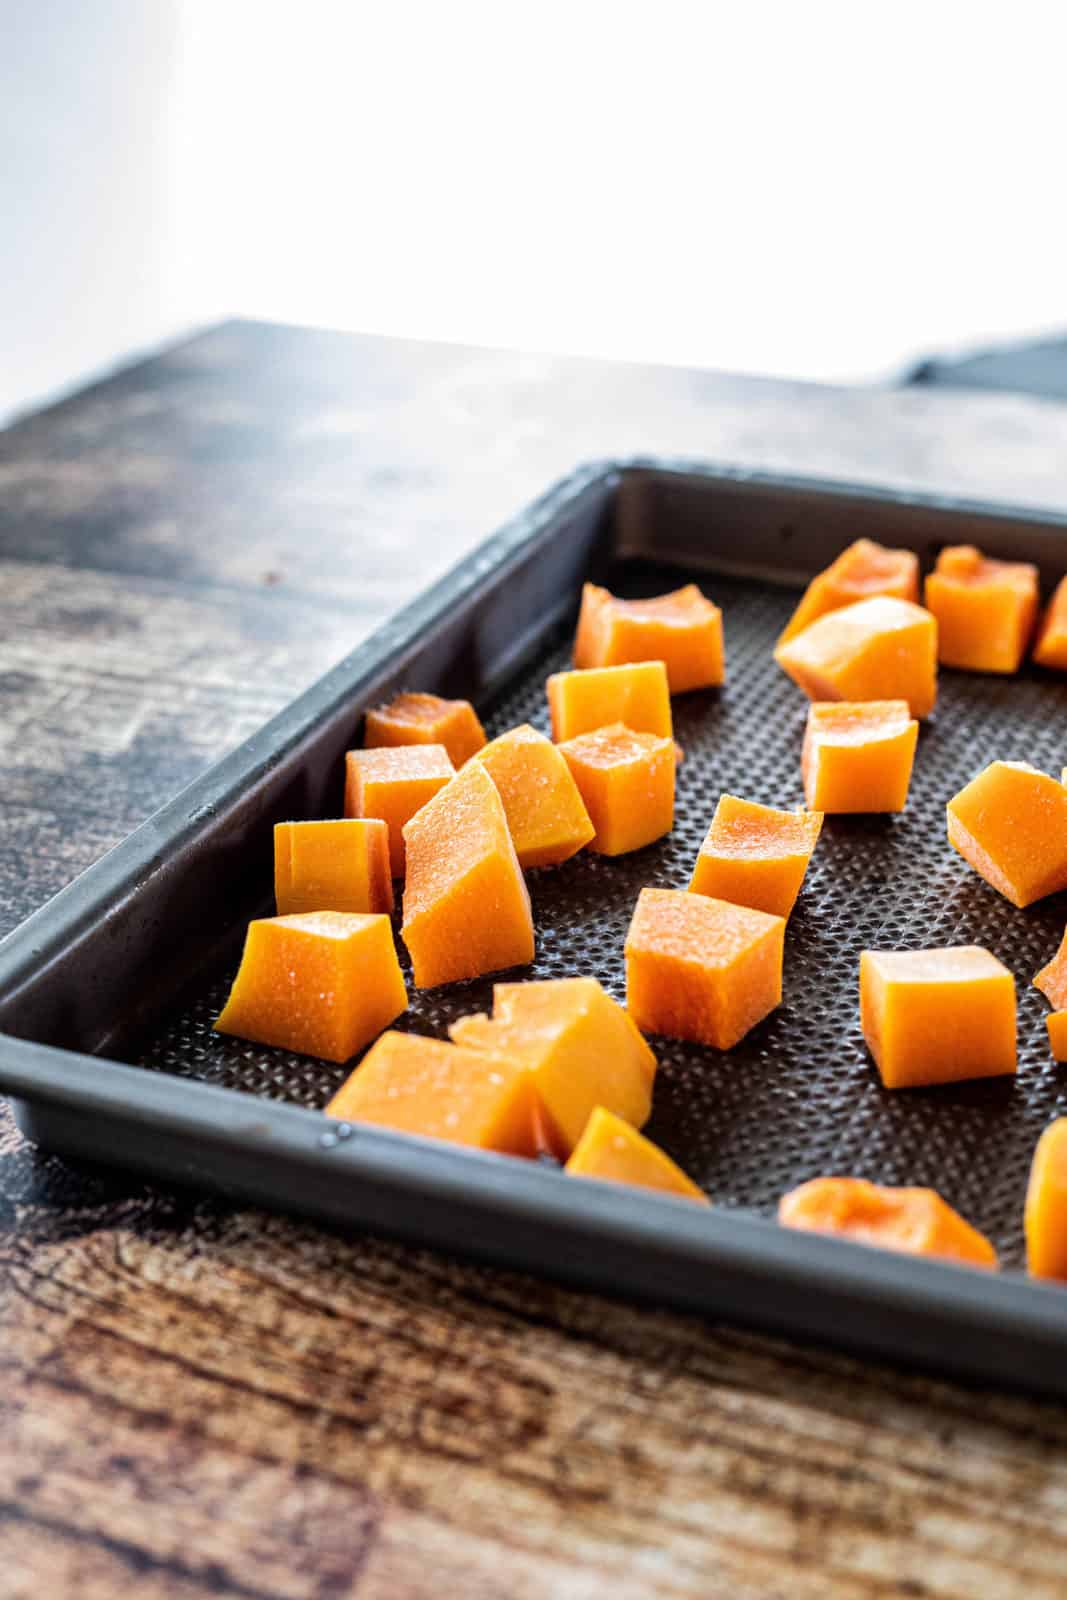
point(937, 1016)
point(1052, 979)
point(581, 1047)
point(858, 755)
point(682, 629)
point(701, 969)
point(985, 609)
point(466, 906)
point(614, 1152)
point(544, 808)
point(756, 856)
point(427, 719)
point(1010, 824)
point(324, 983)
point(916, 1222)
point(438, 1091)
point(332, 866)
point(1051, 647)
point(393, 784)
point(637, 695)
point(1056, 1023)
point(626, 781)
point(1045, 1216)
point(861, 571)
point(881, 649)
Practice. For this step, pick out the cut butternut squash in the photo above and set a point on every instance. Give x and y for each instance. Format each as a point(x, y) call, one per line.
point(580, 1045)
point(756, 856)
point(1056, 1024)
point(1051, 647)
point(636, 695)
point(863, 570)
point(1046, 1205)
point(937, 1016)
point(881, 649)
point(985, 609)
point(466, 907)
point(611, 1150)
point(393, 784)
point(1010, 824)
point(544, 808)
point(858, 755)
point(332, 866)
point(324, 983)
point(701, 969)
point(1052, 979)
point(427, 719)
point(682, 629)
point(915, 1221)
point(626, 781)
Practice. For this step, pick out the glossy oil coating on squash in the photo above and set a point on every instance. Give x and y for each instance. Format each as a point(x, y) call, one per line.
point(701, 969)
point(626, 781)
point(985, 609)
point(580, 1045)
point(881, 649)
point(682, 629)
point(937, 1016)
point(427, 719)
point(332, 866)
point(637, 695)
point(466, 906)
point(613, 1151)
point(756, 856)
point(1010, 824)
point(324, 983)
point(546, 816)
point(858, 755)
point(1051, 647)
point(1045, 1214)
point(394, 783)
point(863, 570)
point(915, 1221)
point(428, 1087)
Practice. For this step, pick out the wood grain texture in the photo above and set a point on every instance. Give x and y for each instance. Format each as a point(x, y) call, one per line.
point(198, 1402)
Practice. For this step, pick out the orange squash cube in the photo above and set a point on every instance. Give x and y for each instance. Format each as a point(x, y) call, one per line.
point(580, 1045)
point(427, 719)
point(1051, 647)
point(881, 649)
point(436, 1090)
point(701, 969)
point(861, 571)
point(1056, 1024)
point(544, 808)
point(1046, 1205)
point(636, 695)
point(324, 983)
point(1052, 978)
point(756, 856)
point(858, 755)
point(682, 629)
point(626, 781)
point(393, 784)
point(915, 1221)
point(611, 1150)
point(466, 906)
point(1010, 824)
point(937, 1016)
point(985, 609)
point(332, 866)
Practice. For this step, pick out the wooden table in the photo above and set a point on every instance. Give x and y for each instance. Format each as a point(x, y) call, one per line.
point(197, 1401)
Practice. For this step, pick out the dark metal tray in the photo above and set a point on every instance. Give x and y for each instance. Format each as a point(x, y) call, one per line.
point(107, 994)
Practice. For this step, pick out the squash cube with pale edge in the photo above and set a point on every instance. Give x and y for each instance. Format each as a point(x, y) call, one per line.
point(880, 649)
point(863, 570)
point(1045, 1216)
point(682, 629)
point(985, 609)
point(1010, 824)
point(626, 781)
point(466, 906)
point(438, 1091)
point(332, 866)
point(937, 1016)
point(701, 969)
point(581, 1047)
point(857, 757)
point(614, 1152)
point(427, 719)
point(546, 816)
point(916, 1222)
point(1051, 647)
point(392, 784)
point(324, 983)
point(756, 856)
point(583, 701)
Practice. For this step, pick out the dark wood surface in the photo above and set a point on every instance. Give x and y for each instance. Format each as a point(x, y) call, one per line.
point(197, 1401)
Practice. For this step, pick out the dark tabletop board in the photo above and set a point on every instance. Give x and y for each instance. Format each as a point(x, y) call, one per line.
point(197, 1401)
